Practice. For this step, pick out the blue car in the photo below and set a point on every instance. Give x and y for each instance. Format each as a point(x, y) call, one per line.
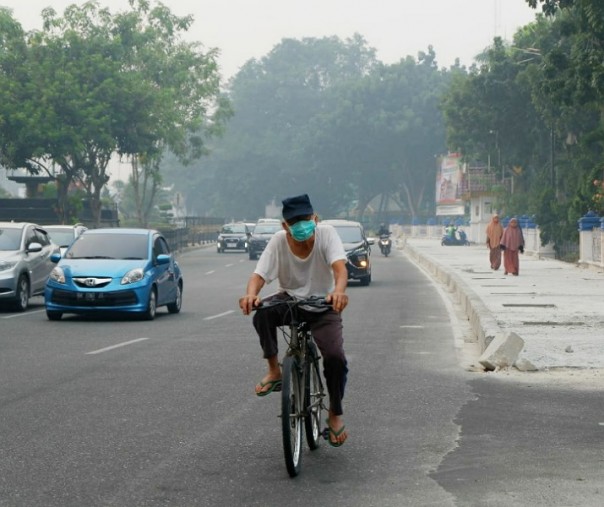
point(114, 270)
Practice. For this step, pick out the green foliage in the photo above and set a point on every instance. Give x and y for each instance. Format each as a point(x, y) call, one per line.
point(92, 84)
point(543, 96)
point(323, 116)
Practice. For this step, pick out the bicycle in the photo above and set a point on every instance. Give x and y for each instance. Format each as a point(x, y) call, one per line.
point(302, 390)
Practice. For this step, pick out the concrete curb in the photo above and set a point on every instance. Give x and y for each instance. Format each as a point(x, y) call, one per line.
point(485, 327)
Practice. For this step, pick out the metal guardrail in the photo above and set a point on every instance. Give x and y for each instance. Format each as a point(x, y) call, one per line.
point(183, 237)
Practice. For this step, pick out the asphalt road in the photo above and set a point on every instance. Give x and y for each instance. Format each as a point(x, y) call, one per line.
point(119, 412)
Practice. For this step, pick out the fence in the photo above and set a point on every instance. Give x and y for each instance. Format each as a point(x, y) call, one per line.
point(183, 237)
point(568, 251)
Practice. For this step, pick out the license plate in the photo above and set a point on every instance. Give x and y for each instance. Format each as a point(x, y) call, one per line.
point(90, 296)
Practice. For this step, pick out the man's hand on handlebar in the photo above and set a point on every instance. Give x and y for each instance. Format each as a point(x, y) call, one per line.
point(248, 302)
point(338, 300)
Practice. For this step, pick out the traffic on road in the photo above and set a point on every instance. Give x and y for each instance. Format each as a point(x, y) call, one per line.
point(106, 410)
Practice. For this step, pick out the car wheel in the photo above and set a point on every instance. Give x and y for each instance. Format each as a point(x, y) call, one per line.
point(149, 313)
point(366, 280)
point(174, 307)
point(22, 294)
point(53, 315)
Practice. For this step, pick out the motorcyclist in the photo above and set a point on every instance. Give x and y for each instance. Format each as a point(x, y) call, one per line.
point(451, 229)
point(383, 230)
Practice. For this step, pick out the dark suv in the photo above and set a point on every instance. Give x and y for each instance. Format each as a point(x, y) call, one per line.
point(358, 249)
point(233, 236)
point(262, 233)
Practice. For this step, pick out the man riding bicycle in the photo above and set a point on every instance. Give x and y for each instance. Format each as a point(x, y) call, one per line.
point(307, 259)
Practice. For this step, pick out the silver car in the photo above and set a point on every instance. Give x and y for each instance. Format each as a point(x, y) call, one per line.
point(64, 235)
point(25, 264)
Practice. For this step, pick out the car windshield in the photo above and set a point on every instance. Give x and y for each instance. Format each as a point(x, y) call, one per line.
point(267, 228)
point(234, 229)
point(349, 234)
point(61, 237)
point(10, 239)
point(109, 246)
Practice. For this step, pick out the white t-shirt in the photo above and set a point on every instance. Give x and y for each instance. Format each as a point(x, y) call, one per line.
point(302, 278)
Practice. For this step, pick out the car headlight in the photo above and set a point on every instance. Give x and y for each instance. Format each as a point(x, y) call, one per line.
point(57, 275)
point(5, 265)
point(362, 260)
point(359, 257)
point(132, 276)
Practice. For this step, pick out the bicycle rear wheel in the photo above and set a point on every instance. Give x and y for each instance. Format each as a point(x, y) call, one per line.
point(292, 408)
point(313, 399)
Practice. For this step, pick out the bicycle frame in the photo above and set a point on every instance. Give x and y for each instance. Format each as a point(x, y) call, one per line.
point(302, 392)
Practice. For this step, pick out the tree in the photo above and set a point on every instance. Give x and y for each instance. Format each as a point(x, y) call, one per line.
point(265, 154)
point(15, 94)
point(380, 134)
point(93, 85)
point(184, 87)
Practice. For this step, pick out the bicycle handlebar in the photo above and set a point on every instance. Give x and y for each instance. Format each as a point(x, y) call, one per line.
point(314, 301)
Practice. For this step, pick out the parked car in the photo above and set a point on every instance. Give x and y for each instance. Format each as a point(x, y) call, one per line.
point(263, 231)
point(115, 270)
point(358, 249)
point(64, 235)
point(25, 263)
point(234, 236)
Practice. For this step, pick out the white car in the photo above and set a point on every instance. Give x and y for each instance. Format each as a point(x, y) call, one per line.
point(64, 235)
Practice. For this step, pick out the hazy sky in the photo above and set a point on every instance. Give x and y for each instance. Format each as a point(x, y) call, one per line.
point(244, 29)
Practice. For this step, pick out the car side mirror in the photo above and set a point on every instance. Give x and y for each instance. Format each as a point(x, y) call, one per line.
point(163, 259)
point(34, 246)
point(55, 257)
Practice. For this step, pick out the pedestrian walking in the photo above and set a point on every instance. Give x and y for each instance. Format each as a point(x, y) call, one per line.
point(494, 234)
point(512, 242)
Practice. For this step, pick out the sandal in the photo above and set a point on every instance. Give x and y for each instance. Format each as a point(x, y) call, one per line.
point(335, 434)
point(274, 385)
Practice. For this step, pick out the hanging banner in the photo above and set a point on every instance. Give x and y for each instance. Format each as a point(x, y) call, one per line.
point(449, 179)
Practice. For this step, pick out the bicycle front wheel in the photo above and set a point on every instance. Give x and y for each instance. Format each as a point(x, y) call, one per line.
point(313, 399)
point(292, 414)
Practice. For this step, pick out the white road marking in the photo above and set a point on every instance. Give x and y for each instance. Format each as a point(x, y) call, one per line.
point(210, 272)
point(228, 265)
point(24, 314)
point(219, 315)
point(123, 344)
point(411, 327)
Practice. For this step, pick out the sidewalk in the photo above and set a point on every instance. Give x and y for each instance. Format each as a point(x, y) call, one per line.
point(550, 316)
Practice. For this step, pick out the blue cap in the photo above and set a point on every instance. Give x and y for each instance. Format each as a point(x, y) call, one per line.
point(298, 206)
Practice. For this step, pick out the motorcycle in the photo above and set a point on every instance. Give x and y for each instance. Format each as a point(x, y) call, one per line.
point(385, 244)
point(458, 238)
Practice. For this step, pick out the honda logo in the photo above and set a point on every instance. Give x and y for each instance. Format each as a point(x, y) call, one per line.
point(90, 282)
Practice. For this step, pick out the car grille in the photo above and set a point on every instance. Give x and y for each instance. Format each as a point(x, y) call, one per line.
point(105, 299)
point(91, 281)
